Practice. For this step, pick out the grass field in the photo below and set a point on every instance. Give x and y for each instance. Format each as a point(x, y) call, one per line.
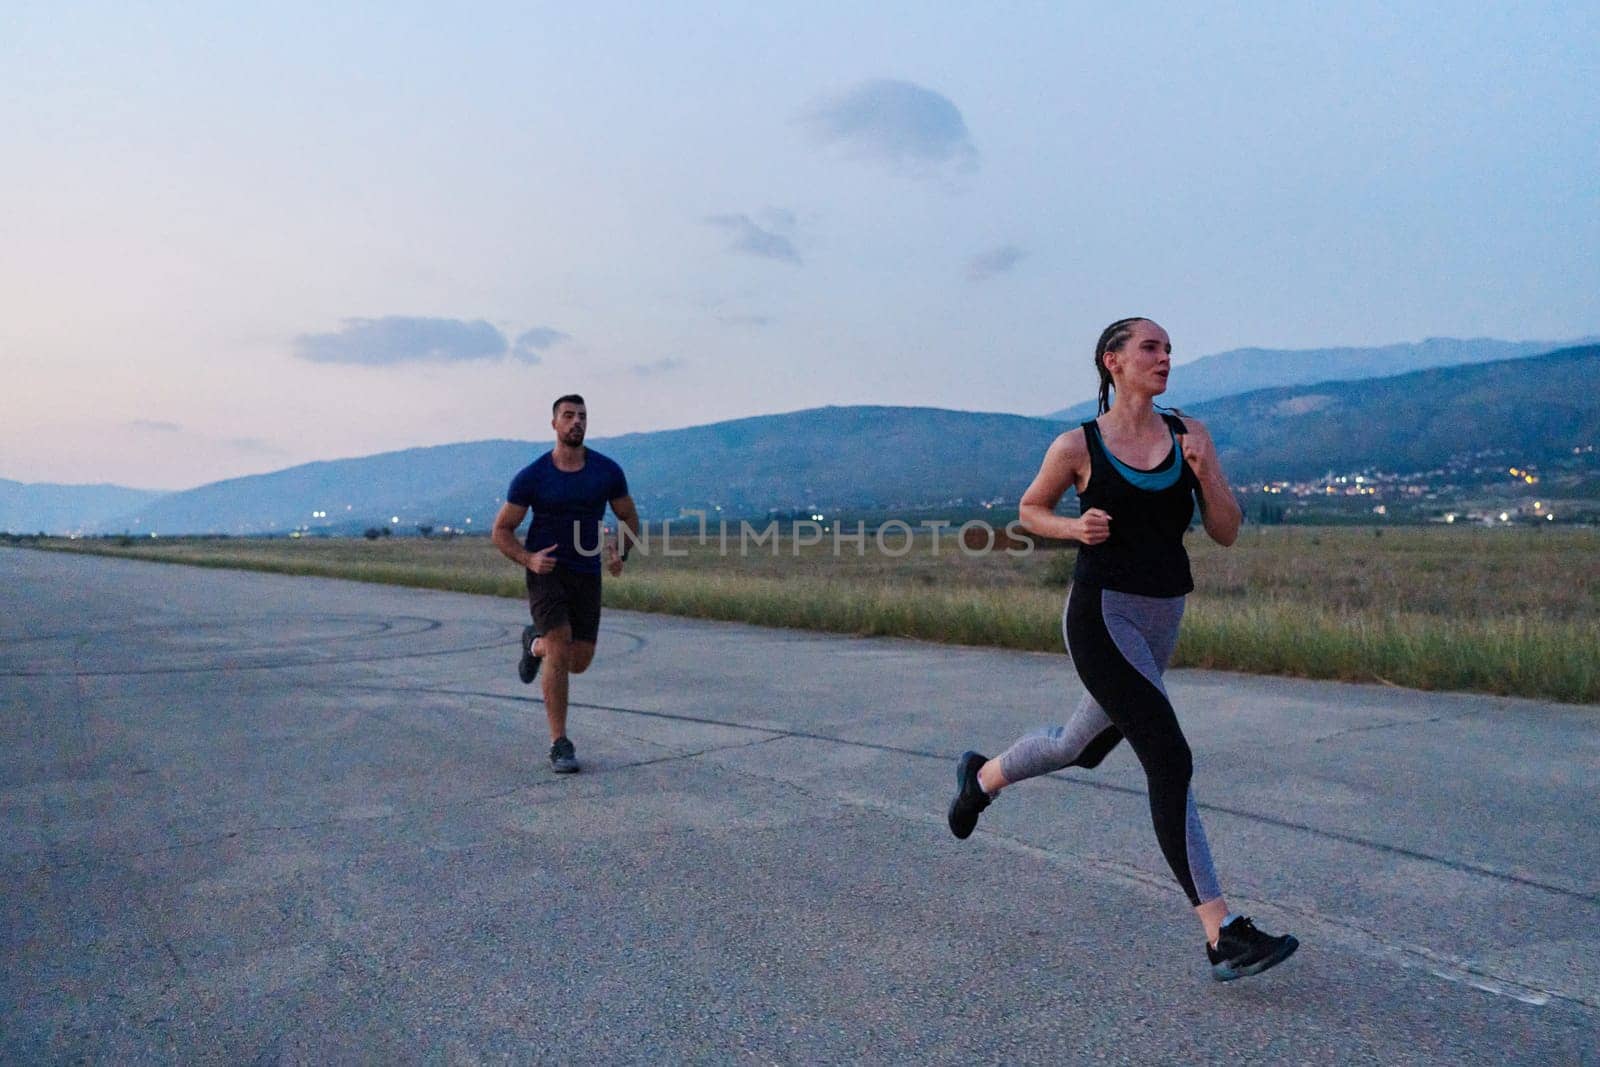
point(1510, 611)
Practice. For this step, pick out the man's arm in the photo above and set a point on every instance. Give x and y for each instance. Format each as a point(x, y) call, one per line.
point(504, 536)
point(627, 515)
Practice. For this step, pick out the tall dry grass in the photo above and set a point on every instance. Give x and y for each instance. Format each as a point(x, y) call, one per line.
point(1498, 611)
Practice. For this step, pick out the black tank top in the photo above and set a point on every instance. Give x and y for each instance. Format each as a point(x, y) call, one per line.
point(1144, 554)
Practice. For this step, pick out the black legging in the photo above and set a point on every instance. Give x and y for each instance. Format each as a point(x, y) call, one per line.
point(1120, 644)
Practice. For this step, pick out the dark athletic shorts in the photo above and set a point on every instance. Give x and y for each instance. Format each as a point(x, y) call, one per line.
point(565, 597)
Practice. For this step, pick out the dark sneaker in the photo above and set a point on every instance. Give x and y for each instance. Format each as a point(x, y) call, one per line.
point(970, 798)
point(528, 665)
point(563, 757)
point(1242, 950)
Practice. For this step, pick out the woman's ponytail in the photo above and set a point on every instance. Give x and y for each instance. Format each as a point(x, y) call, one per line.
point(1112, 338)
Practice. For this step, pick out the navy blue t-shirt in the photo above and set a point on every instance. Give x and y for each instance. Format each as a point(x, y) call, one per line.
point(567, 505)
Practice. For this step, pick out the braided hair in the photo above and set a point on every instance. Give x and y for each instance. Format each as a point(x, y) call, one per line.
point(1112, 338)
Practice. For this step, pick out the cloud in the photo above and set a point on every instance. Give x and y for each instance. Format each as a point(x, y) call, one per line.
point(254, 444)
point(745, 320)
point(752, 240)
point(530, 344)
point(402, 339)
point(995, 262)
point(777, 218)
point(257, 445)
point(660, 366)
point(895, 122)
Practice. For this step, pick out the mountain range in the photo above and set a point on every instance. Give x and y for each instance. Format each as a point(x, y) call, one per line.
point(1243, 370)
point(26, 507)
point(836, 457)
point(1536, 409)
point(882, 458)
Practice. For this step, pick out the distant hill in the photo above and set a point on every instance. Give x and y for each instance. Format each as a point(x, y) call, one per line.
point(889, 458)
point(32, 507)
point(417, 484)
point(1244, 370)
point(827, 458)
point(1536, 408)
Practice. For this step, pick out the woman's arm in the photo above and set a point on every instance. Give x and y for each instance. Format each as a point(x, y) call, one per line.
point(1066, 459)
point(1219, 511)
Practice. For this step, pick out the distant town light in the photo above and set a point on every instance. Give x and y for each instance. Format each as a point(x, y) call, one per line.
point(1550, 515)
point(394, 518)
point(1505, 517)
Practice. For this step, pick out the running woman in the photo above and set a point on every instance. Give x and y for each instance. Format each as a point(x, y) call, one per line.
point(568, 489)
point(1138, 470)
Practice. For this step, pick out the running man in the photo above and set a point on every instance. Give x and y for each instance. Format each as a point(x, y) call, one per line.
point(1137, 470)
point(568, 489)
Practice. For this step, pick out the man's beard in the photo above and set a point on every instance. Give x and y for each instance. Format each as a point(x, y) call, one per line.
point(572, 438)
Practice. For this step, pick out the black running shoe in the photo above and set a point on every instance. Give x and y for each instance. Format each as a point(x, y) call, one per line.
point(970, 798)
point(563, 757)
point(1242, 950)
point(528, 665)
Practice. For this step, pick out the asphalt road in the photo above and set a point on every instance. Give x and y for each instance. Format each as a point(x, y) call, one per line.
point(253, 818)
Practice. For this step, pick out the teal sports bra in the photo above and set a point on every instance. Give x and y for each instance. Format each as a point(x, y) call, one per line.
point(1162, 477)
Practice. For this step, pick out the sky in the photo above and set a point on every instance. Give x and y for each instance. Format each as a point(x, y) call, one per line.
point(238, 237)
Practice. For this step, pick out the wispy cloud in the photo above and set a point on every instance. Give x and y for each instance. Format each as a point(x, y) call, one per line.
point(753, 240)
point(257, 445)
point(660, 366)
point(777, 218)
point(995, 262)
point(895, 122)
point(402, 339)
point(530, 345)
point(745, 320)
